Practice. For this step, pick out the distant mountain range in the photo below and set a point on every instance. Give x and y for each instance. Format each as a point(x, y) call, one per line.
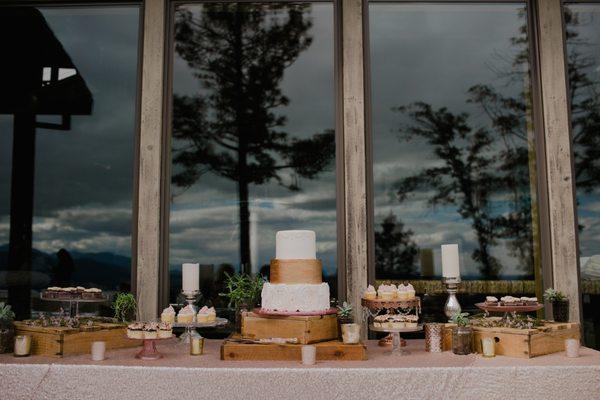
point(107, 271)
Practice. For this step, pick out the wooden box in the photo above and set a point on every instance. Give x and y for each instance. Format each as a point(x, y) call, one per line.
point(330, 350)
point(523, 343)
point(307, 329)
point(63, 341)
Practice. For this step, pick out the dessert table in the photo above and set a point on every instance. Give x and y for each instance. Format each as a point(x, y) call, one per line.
point(417, 375)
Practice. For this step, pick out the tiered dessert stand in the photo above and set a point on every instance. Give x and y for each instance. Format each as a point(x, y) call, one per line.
point(372, 308)
point(190, 327)
point(73, 311)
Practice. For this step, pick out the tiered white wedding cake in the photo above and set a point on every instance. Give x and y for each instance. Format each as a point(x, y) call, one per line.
point(296, 283)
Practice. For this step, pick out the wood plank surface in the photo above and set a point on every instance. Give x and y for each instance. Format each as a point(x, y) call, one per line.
point(307, 329)
point(331, 350)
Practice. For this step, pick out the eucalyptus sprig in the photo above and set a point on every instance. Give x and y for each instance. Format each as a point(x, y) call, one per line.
point(242, 289)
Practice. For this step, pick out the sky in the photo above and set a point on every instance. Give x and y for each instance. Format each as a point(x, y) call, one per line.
point(432, 53)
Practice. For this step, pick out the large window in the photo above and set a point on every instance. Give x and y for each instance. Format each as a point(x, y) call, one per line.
point(582, 23)
point(68, 82)
point(253, 142)
point(453, 144)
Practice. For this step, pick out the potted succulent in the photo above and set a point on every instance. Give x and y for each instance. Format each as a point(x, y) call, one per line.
point(243, 293)
point(125, 307)
point(349, 331)
point(7, 329)
point(462, 334)
point(560, 304)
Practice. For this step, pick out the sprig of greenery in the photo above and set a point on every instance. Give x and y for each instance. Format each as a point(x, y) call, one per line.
point(243, 289)
point(125, 306)
point(7, 316)
point(461, 319)
point(553, 295)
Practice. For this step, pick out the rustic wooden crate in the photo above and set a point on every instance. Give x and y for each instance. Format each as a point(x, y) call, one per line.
point(522, 343)
point(330, 350)
point(63, 341)
point(307, 329)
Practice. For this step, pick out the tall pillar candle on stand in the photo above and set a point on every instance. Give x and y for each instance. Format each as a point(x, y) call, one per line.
point(190, 287)
point(451, 278)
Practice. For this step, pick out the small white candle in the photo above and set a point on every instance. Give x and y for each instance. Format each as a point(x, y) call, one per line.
point(309, 354)
point(488, 346)
point(572, 348)
point(98, 350)
point(190, 278)
point(450, 261)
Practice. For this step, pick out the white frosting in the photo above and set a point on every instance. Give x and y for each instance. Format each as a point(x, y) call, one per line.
point(295, 245)
point(292, 298)
point(169, 310)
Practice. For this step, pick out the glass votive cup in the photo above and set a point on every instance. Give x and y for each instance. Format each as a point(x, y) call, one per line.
point(196, 346)
point(22, 346)
point(350, 333)
point(488, 347)
point(572, 348)
point(98, 351)
point(433, 337)
point(309, 354)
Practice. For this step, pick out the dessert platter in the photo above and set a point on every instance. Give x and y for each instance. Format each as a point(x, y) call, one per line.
point(392, 309)
point(149, 333)
point(296, 284)
point(188, 318)
point(509, 304)
point(73, 295)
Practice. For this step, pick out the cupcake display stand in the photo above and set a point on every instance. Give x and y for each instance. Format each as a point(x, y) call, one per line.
point(190, 328)
point(509, 309)
point(374, 307)
point(73, 308)
point(395, 333)
point(149, 351)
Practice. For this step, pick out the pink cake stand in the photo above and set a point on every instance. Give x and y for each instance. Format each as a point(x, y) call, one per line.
point(261, 311)
point(149, 351)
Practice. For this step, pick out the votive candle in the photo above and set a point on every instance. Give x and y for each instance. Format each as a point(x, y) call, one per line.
point(196, 346)
point(433, 337)
point(572, 347)
point(488, 346)
point(190, 277)
point(22, 346)
point(450, 261)
point(98, 350)
point(309, 354)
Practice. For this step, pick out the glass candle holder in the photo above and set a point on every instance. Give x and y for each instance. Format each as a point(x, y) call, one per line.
point(196, 346)
point(433, 337)
point(572, 348)
point(309, 354)
point(98, 351)
point(351, 333)
point(488, 347)
point(22, 346)
point(462, 337)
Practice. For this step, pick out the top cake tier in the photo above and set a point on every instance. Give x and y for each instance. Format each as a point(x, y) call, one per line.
point(295, 245)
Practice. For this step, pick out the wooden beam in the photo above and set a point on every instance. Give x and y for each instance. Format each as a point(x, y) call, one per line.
point(150, 153)
point(354, 149)
point(557, 136)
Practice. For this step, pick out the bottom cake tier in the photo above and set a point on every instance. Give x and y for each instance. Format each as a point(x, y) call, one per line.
point(295, 298)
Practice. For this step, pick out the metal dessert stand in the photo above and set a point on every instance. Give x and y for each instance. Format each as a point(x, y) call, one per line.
point(372, 308)
point(396, 348)
point(190, 328)
point(73, 311)
point(508, 309)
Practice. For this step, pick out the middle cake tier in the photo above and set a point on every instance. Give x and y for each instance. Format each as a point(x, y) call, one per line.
point(296, 271)
point(295, 298)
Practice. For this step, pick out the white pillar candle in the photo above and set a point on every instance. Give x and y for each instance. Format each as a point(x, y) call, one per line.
point(190, 278)
point(98, 350)
point(572, 347)
point(309, 354)
point(488, 346)
point(450, 261)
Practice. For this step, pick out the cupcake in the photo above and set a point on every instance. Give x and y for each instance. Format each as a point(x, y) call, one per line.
point(402, 292)
point(529, 301)
point(202, 315)
point(398, 322)
point(370, 293)
point(165, 330)
point(410, 290)
point(168, 315)
point(135, 331)
point(92, 293)
point(379, 320)
point(385, 292)
point(186, 315)
point(491, 300)
point(151, 330)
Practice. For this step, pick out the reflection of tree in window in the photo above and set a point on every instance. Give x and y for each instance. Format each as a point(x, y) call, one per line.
point(482, 164)
point(395, 251)
point(239, 53)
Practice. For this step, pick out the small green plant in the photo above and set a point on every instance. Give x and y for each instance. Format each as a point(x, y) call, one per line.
point(553, 295)
point(461, 319)
point(125, 307)
point(242, 290)
point(344, 311)
point(7, 316)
